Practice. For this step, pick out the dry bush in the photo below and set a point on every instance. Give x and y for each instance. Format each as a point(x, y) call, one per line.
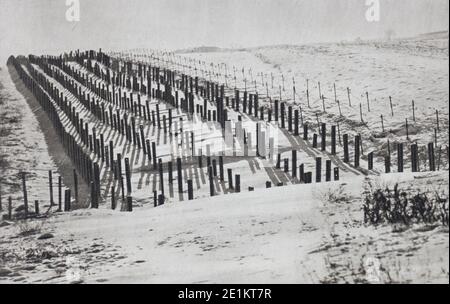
point(35, 252)
point(396, 206)
point(332, 194)
point(29, 227)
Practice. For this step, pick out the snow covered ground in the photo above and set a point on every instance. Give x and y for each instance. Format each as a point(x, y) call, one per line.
point(23, 146)
point(254, 171)
point(405, 70)
point(301, 237)
point(292, 234)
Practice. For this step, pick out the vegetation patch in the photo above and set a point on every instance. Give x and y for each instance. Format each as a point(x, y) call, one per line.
point(397, 206)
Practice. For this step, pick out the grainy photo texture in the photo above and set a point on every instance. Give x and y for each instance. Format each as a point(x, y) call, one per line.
point(224, 141)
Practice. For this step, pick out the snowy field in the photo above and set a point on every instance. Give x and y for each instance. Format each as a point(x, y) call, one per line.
point(297, 233)
point(405, 70)
point(23, 146)
point(249, 237)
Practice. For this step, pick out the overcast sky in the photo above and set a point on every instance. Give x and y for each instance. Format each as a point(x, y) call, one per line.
point(38, 26)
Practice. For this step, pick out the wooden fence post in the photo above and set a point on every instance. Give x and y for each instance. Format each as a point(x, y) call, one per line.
point(286, 165)
point(59, 193)
point(387, 164)
point(93, 196)
point(333, 140)
point(309, 177)
point(323, 141)
point(155, 198)
point(357, 150)
point(346, 154)
point(302, 173)
point(230, 178)
point(149, 151)
point(439, 158)
point(314, 144)
point(111, 154)
point(75, 185)
point(214, 167)
point(328, 170)
point(129, 203)
point(368, 102)
point(9, 208)
point(113, 198)
point(161, 199)
point(161, 176)
point(25, 196)
point(200, 161)
point(414, 158)
point(142, 138)
point(296, 122)
point(67, 200)
point(190, 190)
point(407, 128)
point(294, 163)
point(318, 169)
point(50, 186)
point(431, 157)
point(170, 172)
point(392, 108)
point(179, 176)
point(237, 178)
point(370, 161)
point(336, 173)
point(211, 181)
point(221, 172)
point(278, 164)
point(400, 157)
point(276, 110)
point(437, 121)
point(305, 131)
point(128, 175)
point(154, 155)
point(290, 118)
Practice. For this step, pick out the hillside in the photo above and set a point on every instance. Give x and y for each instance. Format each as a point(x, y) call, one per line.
point(305, 237)
point(150, 135)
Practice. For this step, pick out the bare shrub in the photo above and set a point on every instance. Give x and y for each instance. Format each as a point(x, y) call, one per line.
point(28, 227)
point(332, 194)
point(396, 206)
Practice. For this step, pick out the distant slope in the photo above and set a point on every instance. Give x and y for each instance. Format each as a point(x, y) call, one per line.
point(201, 49)
point(433, 35)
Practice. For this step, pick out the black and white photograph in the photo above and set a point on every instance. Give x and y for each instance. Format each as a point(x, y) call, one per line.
point(204, 142)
